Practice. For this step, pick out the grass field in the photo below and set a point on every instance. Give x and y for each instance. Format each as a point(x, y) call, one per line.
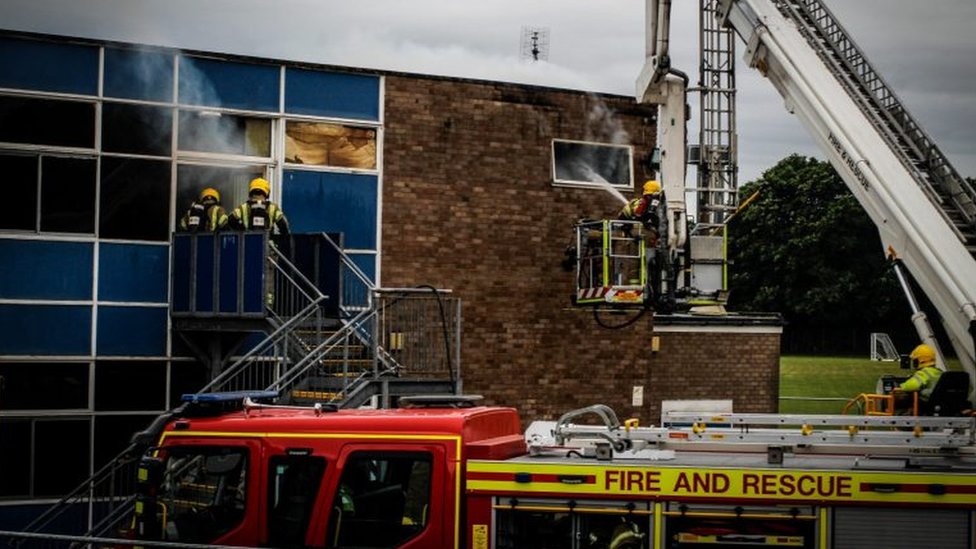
point(828, 377)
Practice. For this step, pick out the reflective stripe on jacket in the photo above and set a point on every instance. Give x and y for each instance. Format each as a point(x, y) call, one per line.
point(923, 381)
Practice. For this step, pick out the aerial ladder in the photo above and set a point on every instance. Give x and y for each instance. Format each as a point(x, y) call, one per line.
point(924, 210)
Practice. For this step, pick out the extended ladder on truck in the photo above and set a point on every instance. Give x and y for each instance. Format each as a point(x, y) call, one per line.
point(924, 210)
point(758, 433)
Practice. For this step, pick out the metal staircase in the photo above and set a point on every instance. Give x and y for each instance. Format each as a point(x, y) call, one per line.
point(954, 197)
point(382, 343)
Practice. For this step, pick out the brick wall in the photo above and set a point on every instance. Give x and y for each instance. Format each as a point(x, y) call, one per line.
point(468, 205)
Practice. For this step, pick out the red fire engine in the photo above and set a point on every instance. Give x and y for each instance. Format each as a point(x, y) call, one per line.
point(448, 474)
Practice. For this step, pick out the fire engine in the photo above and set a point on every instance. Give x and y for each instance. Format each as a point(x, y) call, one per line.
point(443, 472)
point(237, 469)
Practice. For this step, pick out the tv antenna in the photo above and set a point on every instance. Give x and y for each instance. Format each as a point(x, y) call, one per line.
point(535, 44)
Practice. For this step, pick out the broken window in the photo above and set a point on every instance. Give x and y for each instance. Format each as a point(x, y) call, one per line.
point(64, 203)
point(575, 162)
point(134, 199)
point(137, 129)
point(67, 195)
point(36, 121)
point(324, 144)
point(230, 182)
point(216, 132)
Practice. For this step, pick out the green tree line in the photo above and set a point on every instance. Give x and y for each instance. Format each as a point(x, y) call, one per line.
point(805, 248)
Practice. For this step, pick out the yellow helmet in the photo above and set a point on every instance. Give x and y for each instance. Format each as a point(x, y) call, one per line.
point(259, 184)
point(922, 356)
point(209, 192)
point(652, 187)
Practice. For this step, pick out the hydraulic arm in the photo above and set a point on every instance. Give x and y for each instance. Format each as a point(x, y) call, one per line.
point(924, 212)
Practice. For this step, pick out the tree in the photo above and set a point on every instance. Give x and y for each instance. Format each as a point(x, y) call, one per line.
point(805, 248)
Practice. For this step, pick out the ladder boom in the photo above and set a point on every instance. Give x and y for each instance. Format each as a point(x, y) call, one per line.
point(925, 212)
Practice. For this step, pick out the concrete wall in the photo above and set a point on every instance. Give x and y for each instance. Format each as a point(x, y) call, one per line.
point(468, 204)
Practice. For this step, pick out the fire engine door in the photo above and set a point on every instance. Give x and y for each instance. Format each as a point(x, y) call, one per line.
point(392, 496)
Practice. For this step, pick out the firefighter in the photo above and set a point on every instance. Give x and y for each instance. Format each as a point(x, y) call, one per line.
point(259, 212)
point(649, 209)
point(926, 374)
point(205, 214)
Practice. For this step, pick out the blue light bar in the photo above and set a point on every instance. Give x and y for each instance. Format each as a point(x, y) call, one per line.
point(230, 396)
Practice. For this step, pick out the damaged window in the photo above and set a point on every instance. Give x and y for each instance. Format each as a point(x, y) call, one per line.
point(138, 129)
point(575, 162)
point(65, 201)
point(134, 199)
point(36, 121)
point(215, 132)
point(323, 144)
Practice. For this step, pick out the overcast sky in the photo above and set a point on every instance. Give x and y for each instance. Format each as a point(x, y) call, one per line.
point(925, 50)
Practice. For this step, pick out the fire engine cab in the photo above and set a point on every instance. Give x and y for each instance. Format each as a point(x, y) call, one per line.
point(446, 473)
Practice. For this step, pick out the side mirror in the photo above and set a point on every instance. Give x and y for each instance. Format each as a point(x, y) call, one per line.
point(904, 362)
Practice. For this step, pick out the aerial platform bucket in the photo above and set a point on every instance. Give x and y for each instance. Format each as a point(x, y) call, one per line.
point(610, 263)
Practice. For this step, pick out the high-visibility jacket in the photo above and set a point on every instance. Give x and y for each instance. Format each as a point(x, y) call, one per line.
point(923, 381)
point(259, 215)
point(650, 211)
point(204, 218)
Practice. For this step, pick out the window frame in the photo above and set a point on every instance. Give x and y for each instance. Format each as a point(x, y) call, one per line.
point(558, 182)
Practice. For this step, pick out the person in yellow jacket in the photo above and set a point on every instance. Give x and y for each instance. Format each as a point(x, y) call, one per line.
point(259, 213)
point(926, 374)
point(206, 214)
point(651, 210)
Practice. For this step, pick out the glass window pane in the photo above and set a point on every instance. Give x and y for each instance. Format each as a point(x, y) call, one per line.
point(575, 162)
point(68, 194)
point(137, 129)
point(15, 455)
point(135, 74)
point(113, 433)
point(21, 172)
point(47, 122)
point(54, 473)
point(130, 385)
point(293, 482)
point(43, 385)
point(382, 500)
point(207, 131)
point(134, 199)
point(204, 492)
point(322, 144)
point(186, 378)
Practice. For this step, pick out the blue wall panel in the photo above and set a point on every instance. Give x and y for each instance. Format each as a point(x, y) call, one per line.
point(131, 331)
point(336, 94)
point(367, 263)
point(135, 74)
point(45, 330)
point(34, 269)
point(332, 202)
point(48, 66)
point(213, 83)
point(132, 272)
